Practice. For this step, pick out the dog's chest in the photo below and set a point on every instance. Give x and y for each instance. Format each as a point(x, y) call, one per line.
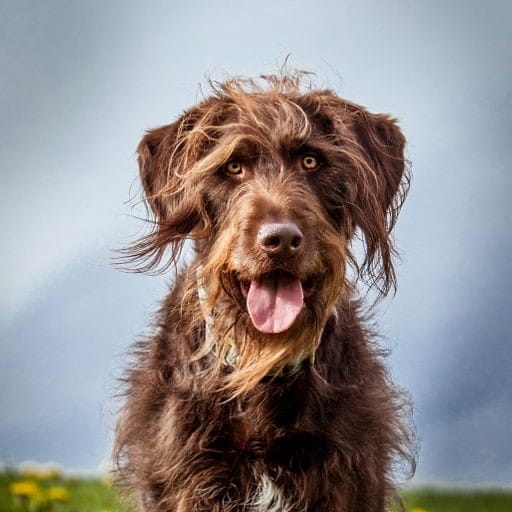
point(269, 498)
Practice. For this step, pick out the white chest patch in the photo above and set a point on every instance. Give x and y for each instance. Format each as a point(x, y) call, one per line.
point(269, 498)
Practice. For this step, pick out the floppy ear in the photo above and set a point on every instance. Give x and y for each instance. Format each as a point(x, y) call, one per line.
point(166, 156)
point(383, 143)
point(381, 184)
point(161, 156)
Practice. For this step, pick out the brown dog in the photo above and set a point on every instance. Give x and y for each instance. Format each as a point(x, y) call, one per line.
point(262, 389)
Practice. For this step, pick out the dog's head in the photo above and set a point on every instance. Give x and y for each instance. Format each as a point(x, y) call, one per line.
point(273, 184)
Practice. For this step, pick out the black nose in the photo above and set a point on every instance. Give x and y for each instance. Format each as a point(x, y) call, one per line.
point(280, 238)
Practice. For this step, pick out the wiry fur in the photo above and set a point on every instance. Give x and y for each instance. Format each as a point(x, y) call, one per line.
point(222, 417)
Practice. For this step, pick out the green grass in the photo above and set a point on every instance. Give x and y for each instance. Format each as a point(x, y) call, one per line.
point(94, 495)
point(436, 500)
point(85, 495)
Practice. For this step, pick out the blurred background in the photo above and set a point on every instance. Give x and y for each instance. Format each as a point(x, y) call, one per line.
point(80, 82)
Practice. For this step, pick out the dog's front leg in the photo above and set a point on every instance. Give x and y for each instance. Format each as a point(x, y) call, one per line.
point(207, 481)
point(308, 473)
point(186, 501)
point(352, 493)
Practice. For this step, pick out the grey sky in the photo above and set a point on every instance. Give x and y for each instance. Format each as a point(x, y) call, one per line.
point(80, 83)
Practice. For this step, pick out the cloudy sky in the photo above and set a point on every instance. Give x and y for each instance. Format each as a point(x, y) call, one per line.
point(81, 81)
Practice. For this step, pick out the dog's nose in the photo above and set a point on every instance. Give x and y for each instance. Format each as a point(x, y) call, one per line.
point(280, 238)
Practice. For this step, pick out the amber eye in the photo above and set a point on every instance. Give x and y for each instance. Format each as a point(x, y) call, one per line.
point(310, 162)
point(234, 167)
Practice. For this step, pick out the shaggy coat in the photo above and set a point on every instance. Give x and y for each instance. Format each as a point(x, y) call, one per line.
point(262, 389)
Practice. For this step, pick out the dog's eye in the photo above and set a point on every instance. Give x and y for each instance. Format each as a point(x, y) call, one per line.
point(310, 162)
point(234, 167)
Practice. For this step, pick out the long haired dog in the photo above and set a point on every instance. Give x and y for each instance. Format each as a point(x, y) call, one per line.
point(262, 389)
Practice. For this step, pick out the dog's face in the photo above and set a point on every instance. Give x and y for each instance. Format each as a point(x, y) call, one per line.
point(272, 185)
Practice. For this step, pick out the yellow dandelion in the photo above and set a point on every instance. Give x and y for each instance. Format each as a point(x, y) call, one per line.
point(25, 489)
point(57, 494)
point(418, 509)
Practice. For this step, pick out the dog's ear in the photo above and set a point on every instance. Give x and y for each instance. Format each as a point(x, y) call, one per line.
point(372, 150)
point(152, 151)
point(383, 143)
point(381, 185)
point(166, 156)
point(163, 162)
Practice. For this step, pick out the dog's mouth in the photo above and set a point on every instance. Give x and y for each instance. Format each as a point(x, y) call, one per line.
point(275, 299)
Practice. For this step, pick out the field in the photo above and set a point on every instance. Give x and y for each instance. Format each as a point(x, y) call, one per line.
point(26, 492)
point(52, 492)
point(435, 500)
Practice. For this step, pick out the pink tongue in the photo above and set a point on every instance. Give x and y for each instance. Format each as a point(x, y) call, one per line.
point(274, 302)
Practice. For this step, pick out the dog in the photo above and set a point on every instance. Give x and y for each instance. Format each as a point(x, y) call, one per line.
point(263, 388)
